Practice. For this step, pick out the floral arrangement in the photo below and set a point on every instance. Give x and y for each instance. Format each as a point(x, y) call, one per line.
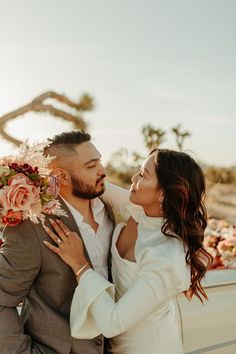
point(220, 242)
point(27, 190)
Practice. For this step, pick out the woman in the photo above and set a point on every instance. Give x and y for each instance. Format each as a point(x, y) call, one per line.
point(157, 255)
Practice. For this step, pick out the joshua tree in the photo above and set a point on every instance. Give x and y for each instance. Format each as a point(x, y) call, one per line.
point(119, 158)
point(73, 115)
point(153, 137)
point(180, 136)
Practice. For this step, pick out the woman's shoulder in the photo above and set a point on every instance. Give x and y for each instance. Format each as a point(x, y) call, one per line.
point(166, 261)
point(169, 251)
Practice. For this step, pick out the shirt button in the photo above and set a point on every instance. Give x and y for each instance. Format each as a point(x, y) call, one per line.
point(98, 342)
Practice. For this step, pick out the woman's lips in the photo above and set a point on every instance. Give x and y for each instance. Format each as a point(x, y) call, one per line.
point(132, 189)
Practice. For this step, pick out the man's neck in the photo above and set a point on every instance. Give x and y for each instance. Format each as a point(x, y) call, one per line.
point(84, 208)
point(82, 205)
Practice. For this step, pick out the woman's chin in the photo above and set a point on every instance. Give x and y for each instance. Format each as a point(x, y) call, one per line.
point(132, 197)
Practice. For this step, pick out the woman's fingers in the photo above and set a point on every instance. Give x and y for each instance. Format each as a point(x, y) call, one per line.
point(58, 230)
point(52, 248)
point(52, 235)
point(70, 249)
point(63, 227)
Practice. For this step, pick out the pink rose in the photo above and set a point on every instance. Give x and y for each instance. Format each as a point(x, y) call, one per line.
point(19, 178)
point(49, 207)
point(19, 196)
point(211, 241)
point(228, 244)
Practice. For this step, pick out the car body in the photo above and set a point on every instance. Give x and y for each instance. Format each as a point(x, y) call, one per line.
point(210, 328)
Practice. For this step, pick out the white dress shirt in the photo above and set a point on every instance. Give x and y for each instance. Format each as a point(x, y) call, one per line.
point(97, 243)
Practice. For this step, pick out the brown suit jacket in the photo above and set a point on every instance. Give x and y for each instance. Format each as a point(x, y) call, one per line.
point(31, 273)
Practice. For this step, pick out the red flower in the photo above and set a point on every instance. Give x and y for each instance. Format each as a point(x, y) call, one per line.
point(12, 218)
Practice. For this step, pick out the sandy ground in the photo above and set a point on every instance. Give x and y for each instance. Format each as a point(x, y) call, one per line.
point(221, 202)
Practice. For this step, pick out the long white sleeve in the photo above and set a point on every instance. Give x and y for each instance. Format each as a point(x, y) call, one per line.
point(118, 198)
point(93, 308)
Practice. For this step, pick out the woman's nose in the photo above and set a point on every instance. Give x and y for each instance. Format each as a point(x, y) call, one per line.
point(134, 178)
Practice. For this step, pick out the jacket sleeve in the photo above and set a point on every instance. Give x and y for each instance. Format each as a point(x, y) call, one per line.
point(20, 261)
point(94, 310)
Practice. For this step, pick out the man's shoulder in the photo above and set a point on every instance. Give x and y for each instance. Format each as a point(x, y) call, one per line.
point(24, 231)
point(25, 224)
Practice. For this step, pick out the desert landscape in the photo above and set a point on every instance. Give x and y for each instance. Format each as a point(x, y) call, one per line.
point(221, 202)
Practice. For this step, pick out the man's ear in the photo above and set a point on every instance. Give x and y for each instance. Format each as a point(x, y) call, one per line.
point(63, 176)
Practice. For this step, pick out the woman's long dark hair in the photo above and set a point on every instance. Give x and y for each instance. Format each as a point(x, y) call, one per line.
point(184, 211)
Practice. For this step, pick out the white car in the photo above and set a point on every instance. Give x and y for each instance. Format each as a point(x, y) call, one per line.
point(210, 328)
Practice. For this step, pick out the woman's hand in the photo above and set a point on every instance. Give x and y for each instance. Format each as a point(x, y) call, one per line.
point(70, 247)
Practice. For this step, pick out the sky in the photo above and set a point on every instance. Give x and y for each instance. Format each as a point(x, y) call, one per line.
point(159, 62)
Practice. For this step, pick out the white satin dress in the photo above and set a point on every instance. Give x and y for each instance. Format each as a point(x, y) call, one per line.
point(136, 311)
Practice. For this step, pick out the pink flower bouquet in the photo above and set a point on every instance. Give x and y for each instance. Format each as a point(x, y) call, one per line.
point(27, 190)
point(220, 242)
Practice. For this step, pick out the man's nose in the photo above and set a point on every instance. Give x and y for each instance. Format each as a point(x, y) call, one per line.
point(101, 170)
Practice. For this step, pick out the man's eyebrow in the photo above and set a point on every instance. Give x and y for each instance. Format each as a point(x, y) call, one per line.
point(93, 160)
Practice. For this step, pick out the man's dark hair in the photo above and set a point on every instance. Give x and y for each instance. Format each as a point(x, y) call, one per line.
point(73, 137)
point(64, 144)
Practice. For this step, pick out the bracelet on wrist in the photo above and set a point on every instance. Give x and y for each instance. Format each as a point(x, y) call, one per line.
point(81, 269)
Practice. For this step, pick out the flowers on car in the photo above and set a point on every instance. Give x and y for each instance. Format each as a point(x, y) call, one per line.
point(28, 191)
point(220, 242)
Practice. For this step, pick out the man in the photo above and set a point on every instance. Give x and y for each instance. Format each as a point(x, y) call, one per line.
point(29, 272)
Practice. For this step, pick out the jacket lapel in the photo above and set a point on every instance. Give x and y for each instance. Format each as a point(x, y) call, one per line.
point(72, 225)
point(70, 222)
point(111, 215)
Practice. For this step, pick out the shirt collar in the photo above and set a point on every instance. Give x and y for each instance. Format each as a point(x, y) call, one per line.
point(96, 205)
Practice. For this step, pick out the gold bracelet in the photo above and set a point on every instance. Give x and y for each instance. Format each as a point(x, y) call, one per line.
point(81, 269)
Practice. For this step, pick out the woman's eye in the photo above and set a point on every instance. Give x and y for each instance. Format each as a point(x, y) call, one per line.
point(91, 166)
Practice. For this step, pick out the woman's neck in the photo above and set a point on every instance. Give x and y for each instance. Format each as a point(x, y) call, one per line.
point(152, 211)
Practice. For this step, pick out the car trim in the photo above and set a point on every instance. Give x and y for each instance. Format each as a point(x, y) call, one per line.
point(212, 347)
point(217, 285)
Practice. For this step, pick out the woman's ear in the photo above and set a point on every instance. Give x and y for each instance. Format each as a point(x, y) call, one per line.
point(161, 195)
point(63, 176)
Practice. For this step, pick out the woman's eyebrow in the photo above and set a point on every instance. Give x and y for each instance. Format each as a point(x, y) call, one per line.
point(144, 168)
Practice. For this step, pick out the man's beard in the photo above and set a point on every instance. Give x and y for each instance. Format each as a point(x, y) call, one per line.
point(84, 190)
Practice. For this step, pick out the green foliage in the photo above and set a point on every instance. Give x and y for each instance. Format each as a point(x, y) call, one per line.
point(123, 165)
point(153, 137)
point(180, 136)
point(86, 102)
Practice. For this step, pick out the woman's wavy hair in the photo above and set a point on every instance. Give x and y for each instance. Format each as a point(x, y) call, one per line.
point(184, 211)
